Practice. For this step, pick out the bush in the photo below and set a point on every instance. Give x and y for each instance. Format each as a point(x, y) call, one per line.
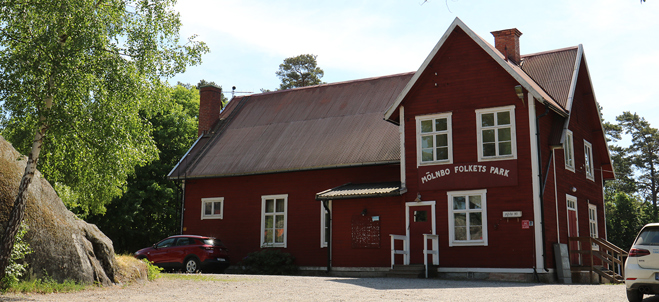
point(153, 271)
point(269, 262)
point(17, 266)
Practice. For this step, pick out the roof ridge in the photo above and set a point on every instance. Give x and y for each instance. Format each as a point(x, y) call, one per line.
point(550, 51)
point(331, 84)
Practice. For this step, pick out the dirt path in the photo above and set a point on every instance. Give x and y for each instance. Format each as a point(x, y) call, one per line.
point(285, 288)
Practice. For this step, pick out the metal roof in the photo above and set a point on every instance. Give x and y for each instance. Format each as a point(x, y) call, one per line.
point(330, 125)
point(349, 191)
point(553, 71)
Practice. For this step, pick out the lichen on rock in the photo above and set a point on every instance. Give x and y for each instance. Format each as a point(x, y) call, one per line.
point(65, 247)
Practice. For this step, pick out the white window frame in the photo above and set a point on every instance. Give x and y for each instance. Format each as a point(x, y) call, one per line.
point(264, 198)
point(213, 201)
point(588, 157)
point(513, 136)
point(448, 131)
point(592, 220)
point(568, 149)
point(451, 223)
point(323, 240)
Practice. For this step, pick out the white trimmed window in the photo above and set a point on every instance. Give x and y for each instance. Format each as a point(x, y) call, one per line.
point(324, 227)
point(568, 148)
point(496, 133)
point(588, 164)
point(592, 220)
point(273, 220)
point(467, 217)
point(434, 141)
point(212, 208)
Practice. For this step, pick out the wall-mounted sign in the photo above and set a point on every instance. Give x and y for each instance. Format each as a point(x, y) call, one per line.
point(525, 224)
point(468, 175)
point(512, 214)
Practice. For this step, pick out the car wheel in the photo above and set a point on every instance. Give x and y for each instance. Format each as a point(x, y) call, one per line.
point(192, 265)
point(634, 295)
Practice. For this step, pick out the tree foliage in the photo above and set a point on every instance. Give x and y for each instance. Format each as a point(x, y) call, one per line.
point(83, 71)
point(102, 63)
point(149, 210)
point(299, 71)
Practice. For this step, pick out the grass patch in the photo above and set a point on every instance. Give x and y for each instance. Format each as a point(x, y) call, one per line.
point(46, 286)
point(199, 277)
point(130, 269)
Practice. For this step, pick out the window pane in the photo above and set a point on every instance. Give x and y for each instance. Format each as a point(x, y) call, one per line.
point(475, 202)
point(442, 153)
point(504, 134)
point(279, 238)
point(426, 155)
point(280, 205)
point(217, 208)
point(279, 221)
point(476, 233)
point(442, 140)
point(426, 126)
point(487, 119)
point(268, 222)
point(503, 118)
point(475, 219)
point(441, 124)
point(489, 150)
point(459, 203)
point(505, 148)
point(488, 136)
point(461, 233)
point(460, 219)
point(426, 141)
point(208, 208)
point(268, 236)
point(269, 205)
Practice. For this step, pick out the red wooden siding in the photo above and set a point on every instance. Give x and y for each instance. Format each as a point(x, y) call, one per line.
point(241, 227)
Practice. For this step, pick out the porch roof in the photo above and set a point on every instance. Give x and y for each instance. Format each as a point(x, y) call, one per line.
point(350, 190)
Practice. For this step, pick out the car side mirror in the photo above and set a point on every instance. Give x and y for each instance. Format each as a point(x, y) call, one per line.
point(155, 246)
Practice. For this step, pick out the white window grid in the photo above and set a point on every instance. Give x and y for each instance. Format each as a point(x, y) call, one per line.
point(568, 148)
point(274, 209)
point(588, 164)
point(212, 208)
point(434, 139)
point(466, 213)
point(496, 133)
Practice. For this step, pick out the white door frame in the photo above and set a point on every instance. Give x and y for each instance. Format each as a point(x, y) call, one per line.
point(407, 218)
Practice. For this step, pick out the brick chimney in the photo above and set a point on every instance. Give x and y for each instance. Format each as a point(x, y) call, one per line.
point(210, 105)
point(507, 42)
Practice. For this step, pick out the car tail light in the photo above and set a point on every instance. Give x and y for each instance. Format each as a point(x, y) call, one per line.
point(638, 252)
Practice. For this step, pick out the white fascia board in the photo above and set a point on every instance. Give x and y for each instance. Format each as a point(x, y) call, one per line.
point(184, 156)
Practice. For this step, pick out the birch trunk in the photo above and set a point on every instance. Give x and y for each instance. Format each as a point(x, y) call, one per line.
point(18, 211)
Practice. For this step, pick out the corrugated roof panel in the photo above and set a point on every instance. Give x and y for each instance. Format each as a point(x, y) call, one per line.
point(553, 71)
point(348, 191)
point(306, 128)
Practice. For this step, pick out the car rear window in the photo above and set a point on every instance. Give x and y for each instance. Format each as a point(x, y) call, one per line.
point(649, 236)
point(213, 242)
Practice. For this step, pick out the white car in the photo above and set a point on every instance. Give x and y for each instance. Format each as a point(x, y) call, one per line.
point(642, 265)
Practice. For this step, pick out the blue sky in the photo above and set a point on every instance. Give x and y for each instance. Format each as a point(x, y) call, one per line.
point(358, 39)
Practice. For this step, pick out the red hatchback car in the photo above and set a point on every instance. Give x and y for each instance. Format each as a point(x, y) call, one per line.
point(191, 253)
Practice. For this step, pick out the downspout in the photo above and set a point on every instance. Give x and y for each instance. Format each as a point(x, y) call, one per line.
point(182, 203)
point(328, 224)
point(542, 187)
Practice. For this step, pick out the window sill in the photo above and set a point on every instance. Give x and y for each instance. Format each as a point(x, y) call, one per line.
point(468, 243)
point(211, 217)
point(434, 163)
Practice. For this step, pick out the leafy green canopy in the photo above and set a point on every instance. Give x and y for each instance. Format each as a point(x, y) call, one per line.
point(299, 71)
point(103, 62)
point(149, 210)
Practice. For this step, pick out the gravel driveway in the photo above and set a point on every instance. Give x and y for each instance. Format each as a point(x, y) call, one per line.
point(285, 288)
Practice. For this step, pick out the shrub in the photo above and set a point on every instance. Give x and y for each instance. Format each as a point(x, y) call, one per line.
point(269, 262)
point(153, 271)
point(17, 267)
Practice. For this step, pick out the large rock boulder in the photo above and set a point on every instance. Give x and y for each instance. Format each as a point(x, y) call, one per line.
point(65, 247)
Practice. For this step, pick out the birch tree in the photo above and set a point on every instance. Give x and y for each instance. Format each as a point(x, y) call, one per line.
point(77, 74)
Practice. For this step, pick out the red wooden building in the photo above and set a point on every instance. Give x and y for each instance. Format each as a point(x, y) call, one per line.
point(488, 156)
